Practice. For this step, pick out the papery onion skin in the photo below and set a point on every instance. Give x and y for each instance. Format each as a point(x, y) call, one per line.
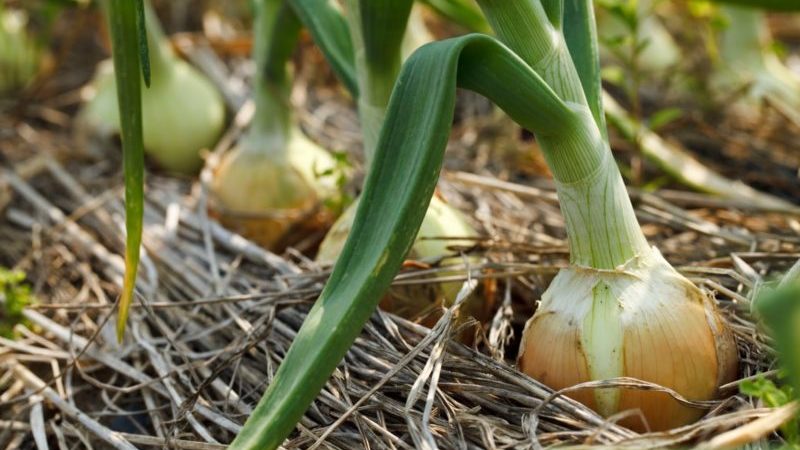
point(666, 331)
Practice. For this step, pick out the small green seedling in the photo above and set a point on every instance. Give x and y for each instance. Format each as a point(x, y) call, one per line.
point(16, 295)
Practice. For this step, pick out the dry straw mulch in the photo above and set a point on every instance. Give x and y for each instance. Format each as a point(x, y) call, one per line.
point(218, 313)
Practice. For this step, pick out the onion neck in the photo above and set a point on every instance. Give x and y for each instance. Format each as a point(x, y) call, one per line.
point(274, 41)
point(601, 224)
point(375, 80)
point(270, 129)
point(525, 28)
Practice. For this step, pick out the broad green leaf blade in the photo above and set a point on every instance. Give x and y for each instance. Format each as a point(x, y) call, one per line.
point(122, 17)
point(329, 29)
point(580, 33)
point(396, 195)
point(780, 311)
point(462, 12)
point(768, 5)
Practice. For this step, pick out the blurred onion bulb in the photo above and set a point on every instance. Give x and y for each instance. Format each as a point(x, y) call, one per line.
point(182, 112)
point(263, 188)
point(642, 320)
point(276, 180)
point(441, 229)
point(19, 54)
point(378, 61)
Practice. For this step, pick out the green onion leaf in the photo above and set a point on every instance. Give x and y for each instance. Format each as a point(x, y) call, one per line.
point(329, 29)
point(397, 192)
point(377, 29)
point(126, 51)
point(383, 24)
point(555, 11)
point(581, 36)
point(279, 42)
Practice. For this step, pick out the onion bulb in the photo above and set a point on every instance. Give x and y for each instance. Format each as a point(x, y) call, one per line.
point(19, 54)
point(263, 194)
point(642, 320)
point(182, 112)
point(422, 302)
point(274, 186)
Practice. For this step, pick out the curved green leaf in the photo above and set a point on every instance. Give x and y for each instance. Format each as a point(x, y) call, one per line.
point(329, 29)
point(395, 197)
point(123, 18)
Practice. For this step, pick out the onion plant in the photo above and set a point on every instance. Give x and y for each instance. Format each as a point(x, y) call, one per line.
point(656, 56)
point(749, 65)
point(274, 177)
point(129, 51)
point(635, 37)
point(129, 39)
point(183, 112)
point(380, 39)
point(619, 309)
